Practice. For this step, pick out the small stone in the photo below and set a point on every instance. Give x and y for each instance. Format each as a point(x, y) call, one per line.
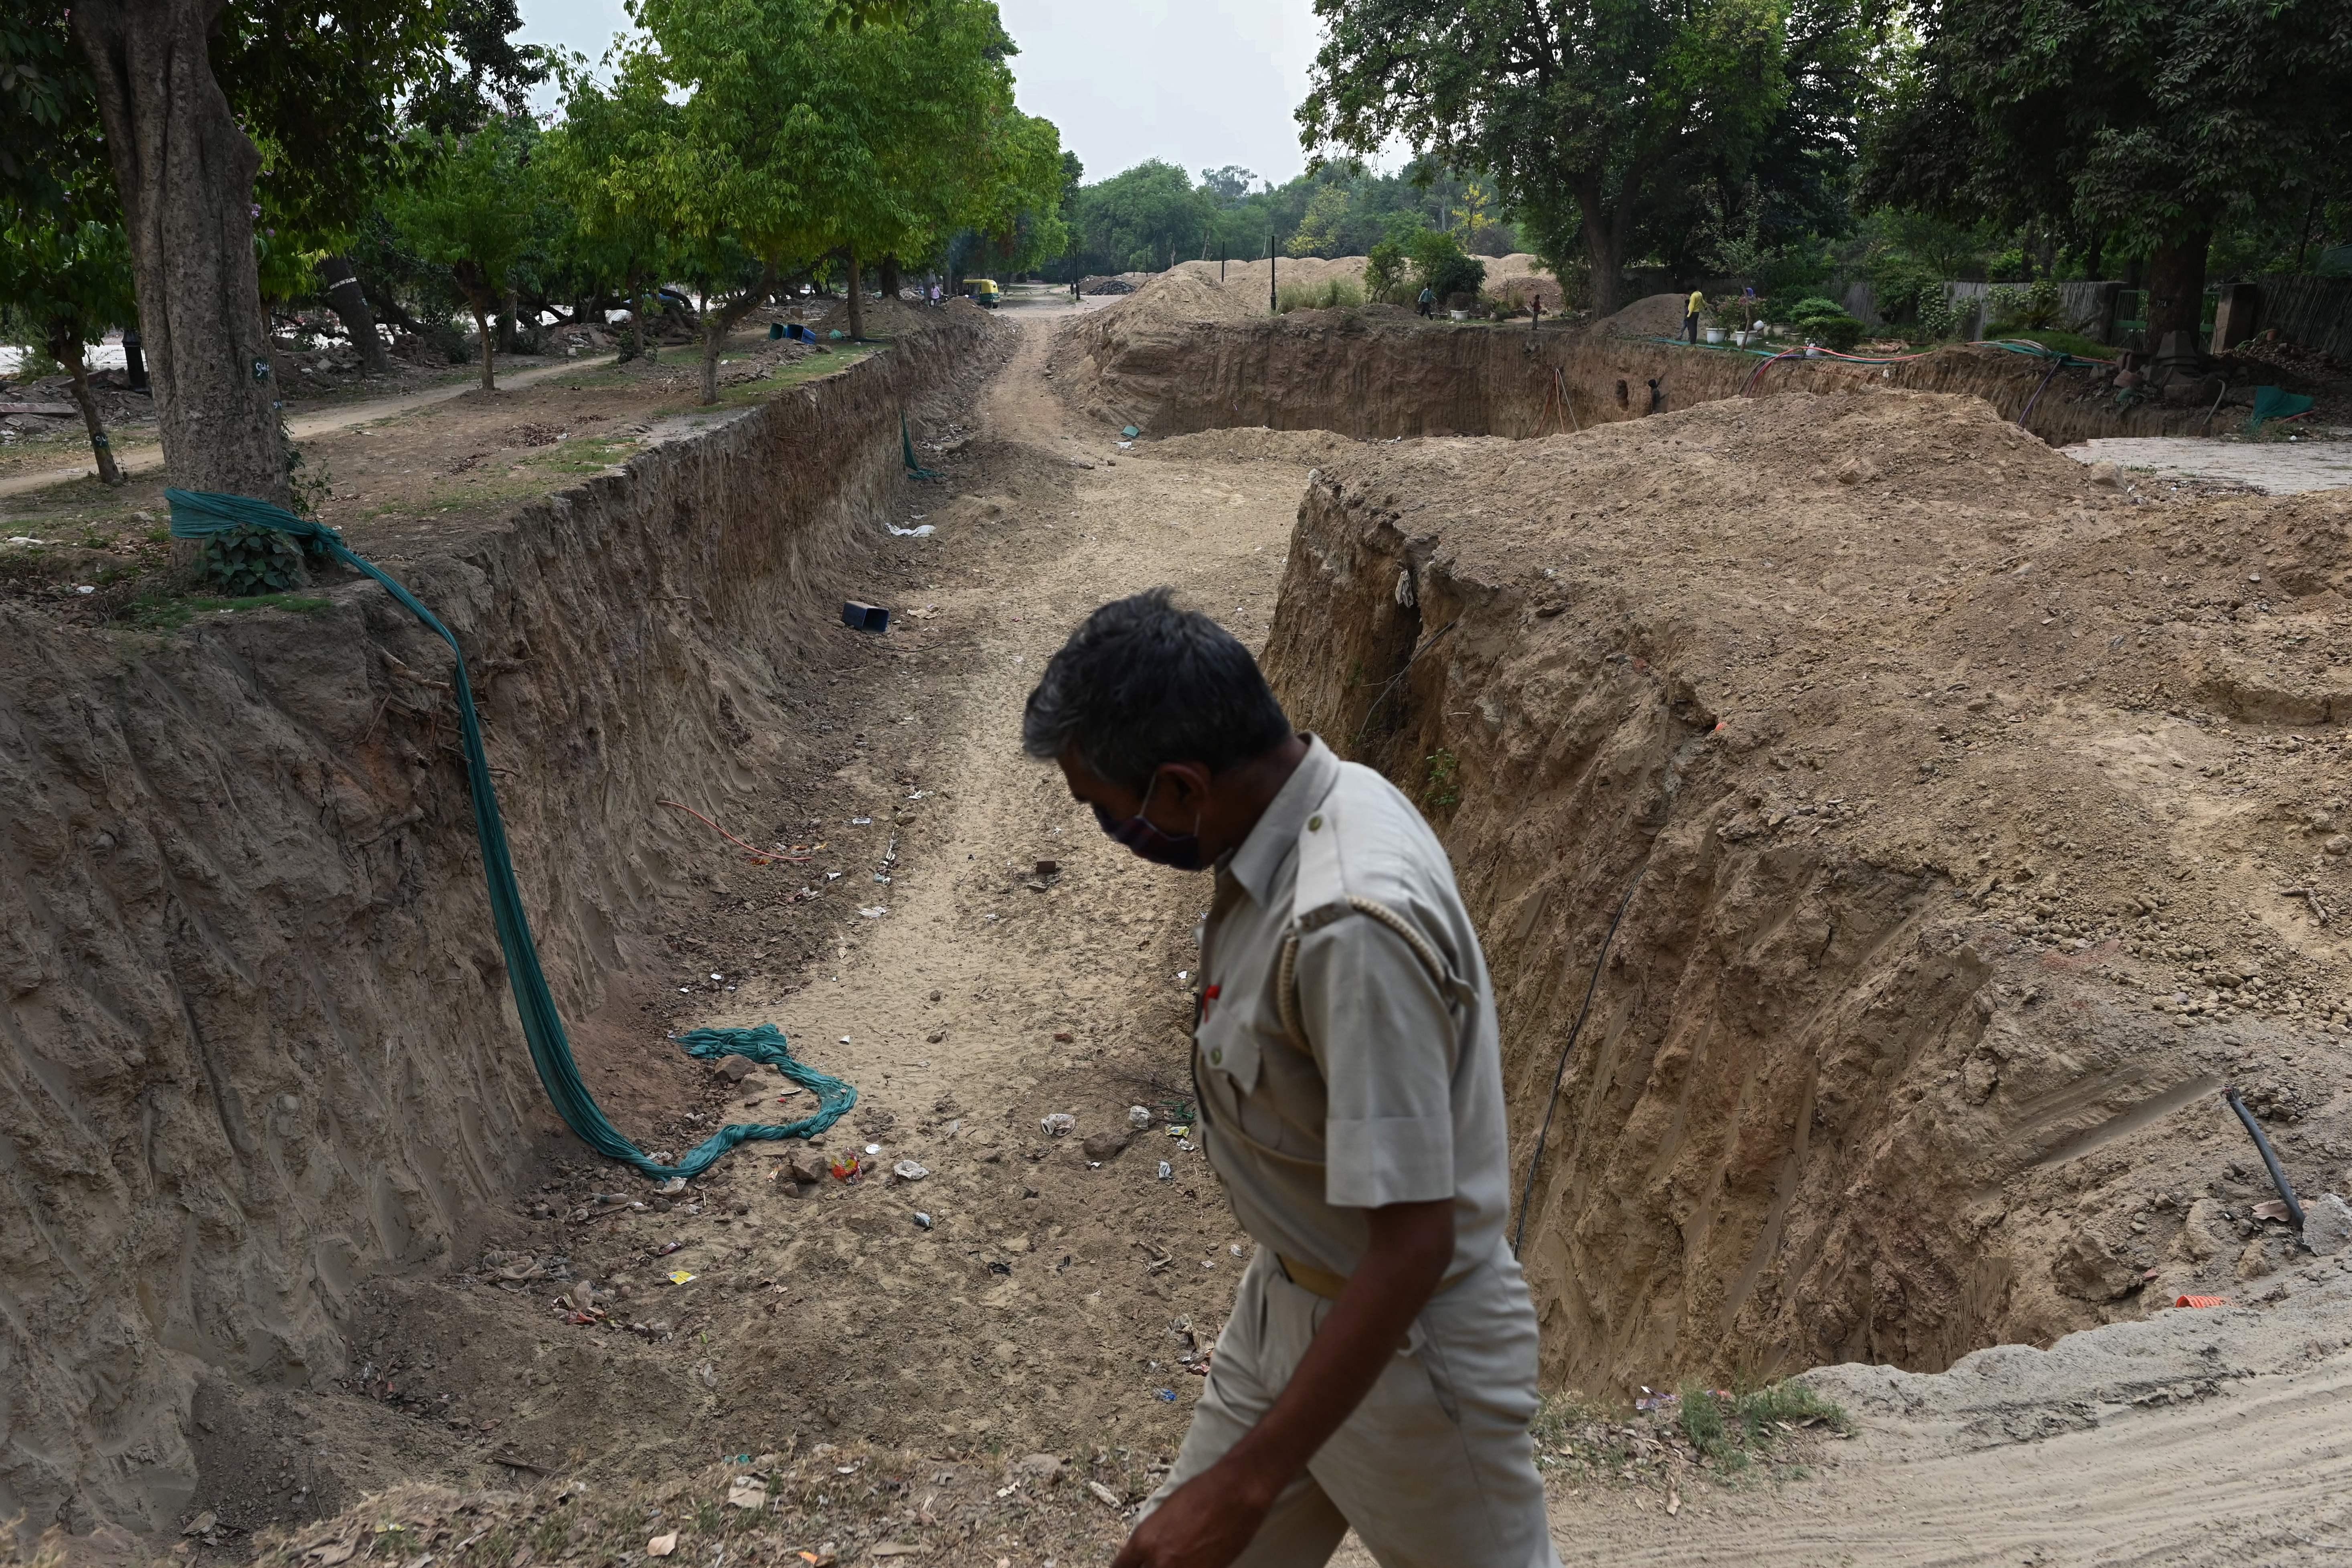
point(2105, 473)
point(1038, 1468)
point(1107, 1145)
point(2327, 1224)
point(2338, 844)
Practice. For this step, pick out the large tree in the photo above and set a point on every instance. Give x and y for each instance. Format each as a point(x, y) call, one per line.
point(470, 208)
point(184, 168)
point(2149, 121)
point(1588, 111)
point(63, 282)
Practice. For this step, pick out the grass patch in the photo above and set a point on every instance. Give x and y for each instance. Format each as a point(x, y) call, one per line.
point(170, 612)
point(1733, 1428)
point(1332, 294)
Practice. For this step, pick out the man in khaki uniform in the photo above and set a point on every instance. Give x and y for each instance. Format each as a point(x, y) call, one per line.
point(1378, 1367)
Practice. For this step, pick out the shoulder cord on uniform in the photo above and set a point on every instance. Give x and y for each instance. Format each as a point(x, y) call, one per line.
point(1285, 982)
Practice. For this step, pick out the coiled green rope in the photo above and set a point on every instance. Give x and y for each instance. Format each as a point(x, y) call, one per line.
point(199, 515)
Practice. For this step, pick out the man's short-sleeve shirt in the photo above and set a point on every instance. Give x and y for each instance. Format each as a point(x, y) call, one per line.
point(1395, 1095)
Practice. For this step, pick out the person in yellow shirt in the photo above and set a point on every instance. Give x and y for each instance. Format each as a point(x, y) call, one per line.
point(1690, 314)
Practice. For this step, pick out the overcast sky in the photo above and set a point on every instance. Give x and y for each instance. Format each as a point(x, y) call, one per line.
point(1201, 83)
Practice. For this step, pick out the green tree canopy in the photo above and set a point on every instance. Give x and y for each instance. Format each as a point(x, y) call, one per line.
point(1591, 114)
point(471, 208)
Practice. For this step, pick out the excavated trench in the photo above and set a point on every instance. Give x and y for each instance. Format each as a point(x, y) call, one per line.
point(1376, 375)
point(259, 1048)
point(1888, 730)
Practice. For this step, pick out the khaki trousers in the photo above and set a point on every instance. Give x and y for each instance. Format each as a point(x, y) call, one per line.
point(1434, 1469)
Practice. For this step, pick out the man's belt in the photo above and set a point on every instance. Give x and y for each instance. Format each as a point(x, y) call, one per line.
point(1324, 1283)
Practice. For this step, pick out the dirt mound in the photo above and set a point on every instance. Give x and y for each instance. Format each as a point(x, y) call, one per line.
point(1656, 316)
point(1256, 445)
point(1977, 813)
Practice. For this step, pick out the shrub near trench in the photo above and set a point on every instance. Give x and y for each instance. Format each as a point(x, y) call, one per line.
point(249, 560)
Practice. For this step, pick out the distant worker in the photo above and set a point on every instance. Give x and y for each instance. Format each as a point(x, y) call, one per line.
point(1428, 299)
point(1378, 1368)
point(1535, 311)
point(1690, 314)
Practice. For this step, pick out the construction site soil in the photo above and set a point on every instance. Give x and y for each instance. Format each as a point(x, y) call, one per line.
point(1974, 817)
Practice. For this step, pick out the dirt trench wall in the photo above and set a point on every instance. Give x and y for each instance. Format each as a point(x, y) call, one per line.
point(1874, 1069)
point(1372, 375)
point(257, 1043)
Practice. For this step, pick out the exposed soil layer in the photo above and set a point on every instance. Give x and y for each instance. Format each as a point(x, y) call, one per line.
point(1985, 816)
point(1184, 355)
point(258, 1051)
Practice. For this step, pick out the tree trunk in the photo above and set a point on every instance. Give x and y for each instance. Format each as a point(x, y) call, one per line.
point(2176, 287)
point(856, 301)
point(889, 277)
point(185, 173)
point(509, 326)
point(717, 323)
point(66, 349)
point(1604, 245)
point(349, 301)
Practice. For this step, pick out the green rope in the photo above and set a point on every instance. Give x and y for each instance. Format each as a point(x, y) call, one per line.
point(197, 515)
point(906, 450)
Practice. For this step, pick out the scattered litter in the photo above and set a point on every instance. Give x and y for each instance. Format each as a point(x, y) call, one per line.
point(1138, 1118)
point(1180, 1129)
point(861, 822)
point(909, 1171)
point(874, 1148)
point(922, 531)
point(1235, 1248)
point(1130, 432)
point(667, 1248)
point(848, 1169)
point(863, 617)
point(922, 1219)
point(2201, 1302)
point(1105, 1495)
point(2274, 1209)
point(84, 588)
point(1123, 445)
point(874, 912)
point(748, 1491)
point(1658, 1401)
point(662, 1545)
point(1059, 1124)
point(1167, 1171)
point(1166, 1395)
point(680, 1277)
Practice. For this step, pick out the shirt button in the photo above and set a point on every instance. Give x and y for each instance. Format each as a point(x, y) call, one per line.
point(1314, 825)
point(1217, 1055)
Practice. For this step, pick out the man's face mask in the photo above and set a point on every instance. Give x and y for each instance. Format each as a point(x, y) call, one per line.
point(1138, 832)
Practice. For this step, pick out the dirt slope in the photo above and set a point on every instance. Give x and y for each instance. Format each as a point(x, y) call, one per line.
point(1969, 799)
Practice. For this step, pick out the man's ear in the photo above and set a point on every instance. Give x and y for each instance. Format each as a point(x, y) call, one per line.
point(1186, 783)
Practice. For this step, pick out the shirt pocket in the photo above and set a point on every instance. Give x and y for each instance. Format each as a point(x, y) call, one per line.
point(1229, 1047)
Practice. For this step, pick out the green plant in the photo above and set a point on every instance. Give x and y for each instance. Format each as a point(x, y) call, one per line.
point(1332, 294)
point(1384, 273)
point(248, 559)
point(1730, 1427)
point(1441, 265)
point(2035, 308)
point(1939, 317)
point(1839, 333)
point(1444, 785)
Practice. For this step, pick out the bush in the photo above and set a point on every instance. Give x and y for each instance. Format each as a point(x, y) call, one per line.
point(1332, 294)
point(2035, 307)
point(1441, 266)
point(1902, 286)
point(1839, 332)
point(1938, 319)
point(1384, 273)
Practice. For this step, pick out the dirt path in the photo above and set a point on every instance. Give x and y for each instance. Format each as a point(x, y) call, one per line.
point(302, 426)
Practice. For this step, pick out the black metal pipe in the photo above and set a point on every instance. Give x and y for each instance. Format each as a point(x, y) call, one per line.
point(2263, 1144)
